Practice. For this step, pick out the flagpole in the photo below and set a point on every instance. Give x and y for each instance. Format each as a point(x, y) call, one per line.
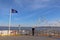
point(9, 21)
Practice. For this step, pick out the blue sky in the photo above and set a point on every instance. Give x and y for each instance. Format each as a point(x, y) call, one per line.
point(30, 12)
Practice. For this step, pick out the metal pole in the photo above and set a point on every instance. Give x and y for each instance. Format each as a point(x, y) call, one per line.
point(9, 22)
point(19, 29)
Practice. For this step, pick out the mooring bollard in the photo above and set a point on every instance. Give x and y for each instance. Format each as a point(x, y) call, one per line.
point(33, 29)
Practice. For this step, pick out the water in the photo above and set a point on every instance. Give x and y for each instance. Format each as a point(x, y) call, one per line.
point(29, 28)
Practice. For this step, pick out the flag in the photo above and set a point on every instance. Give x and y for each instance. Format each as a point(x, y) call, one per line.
point(14, 11)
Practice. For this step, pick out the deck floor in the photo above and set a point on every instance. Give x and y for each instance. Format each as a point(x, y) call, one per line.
point(27, 38)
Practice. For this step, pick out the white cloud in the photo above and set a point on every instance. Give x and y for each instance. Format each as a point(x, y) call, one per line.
point(45, 0)
point(53, 23)
point(32, 4)
point(25, 17)
point(36, 4)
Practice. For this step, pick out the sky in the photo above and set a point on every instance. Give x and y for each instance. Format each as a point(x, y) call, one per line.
point(30, 12)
